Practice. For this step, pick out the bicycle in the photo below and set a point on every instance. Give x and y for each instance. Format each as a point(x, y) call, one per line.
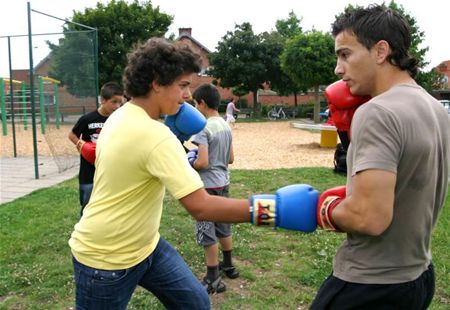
point(276, 113)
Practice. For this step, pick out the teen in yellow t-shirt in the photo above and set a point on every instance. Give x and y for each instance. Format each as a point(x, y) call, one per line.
point(116, 244)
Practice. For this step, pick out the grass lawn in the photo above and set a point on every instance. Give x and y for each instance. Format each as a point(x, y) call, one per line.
point(279, 269)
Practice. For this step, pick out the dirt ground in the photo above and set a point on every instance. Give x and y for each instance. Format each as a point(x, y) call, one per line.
point(267, 145)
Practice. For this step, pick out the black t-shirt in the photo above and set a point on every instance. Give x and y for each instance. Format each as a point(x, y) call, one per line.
point(88, 126)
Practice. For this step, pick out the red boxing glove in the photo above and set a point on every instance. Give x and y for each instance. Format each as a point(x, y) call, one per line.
point(327, 202)
point(342, 104)
point(88, 151)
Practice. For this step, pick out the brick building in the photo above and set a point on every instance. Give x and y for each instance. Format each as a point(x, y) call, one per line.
point(444, 68)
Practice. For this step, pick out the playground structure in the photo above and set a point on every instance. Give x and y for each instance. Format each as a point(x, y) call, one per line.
point(16, 102)
point(37, 96)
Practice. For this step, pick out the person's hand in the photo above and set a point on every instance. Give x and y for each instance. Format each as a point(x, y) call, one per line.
point(192, 156)
point(327, 202)
point(292, 207)
point(79, 145)
point(186, 122)
point(342, 104)
point(88, 151)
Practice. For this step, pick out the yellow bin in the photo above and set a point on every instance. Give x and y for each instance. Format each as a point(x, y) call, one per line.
point(328, 138)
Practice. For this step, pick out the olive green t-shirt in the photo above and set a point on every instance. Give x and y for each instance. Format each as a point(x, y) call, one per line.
point(404, 131)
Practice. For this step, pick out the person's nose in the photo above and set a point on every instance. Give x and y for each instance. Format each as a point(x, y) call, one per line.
point(339, 70)
point(187, 94)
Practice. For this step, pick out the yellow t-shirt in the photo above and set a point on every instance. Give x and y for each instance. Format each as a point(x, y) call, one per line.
point(137, 158)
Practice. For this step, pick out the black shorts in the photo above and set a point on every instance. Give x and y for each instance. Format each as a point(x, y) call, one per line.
point(337, 294)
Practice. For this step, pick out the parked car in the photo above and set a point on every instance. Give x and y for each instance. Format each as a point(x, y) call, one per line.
point(325, 114)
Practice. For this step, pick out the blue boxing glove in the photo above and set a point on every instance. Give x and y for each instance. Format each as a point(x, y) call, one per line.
point(292, 207)
point(192, 156)
point(186, 122)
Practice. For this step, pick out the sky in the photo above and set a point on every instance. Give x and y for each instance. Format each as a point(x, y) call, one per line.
point(210, 21)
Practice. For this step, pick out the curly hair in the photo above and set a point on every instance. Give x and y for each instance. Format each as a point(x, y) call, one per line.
point(157, 60)
point(375, 23)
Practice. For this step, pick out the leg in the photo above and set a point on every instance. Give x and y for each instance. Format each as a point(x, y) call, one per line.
point(206, 237)
point(172, 282)
point(211, 255)
point(85, 195)
point(103, 289)
point(226, 243)
point(223, 231)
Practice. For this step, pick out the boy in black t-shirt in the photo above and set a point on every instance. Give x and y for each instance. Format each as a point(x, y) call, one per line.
point(87, 129)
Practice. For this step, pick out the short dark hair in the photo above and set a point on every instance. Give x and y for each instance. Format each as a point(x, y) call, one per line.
point(111, 89)
point(375, 23)
point(209, 94)
point(158, 60)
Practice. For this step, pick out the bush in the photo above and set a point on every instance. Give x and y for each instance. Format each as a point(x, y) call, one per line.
point(305, 109)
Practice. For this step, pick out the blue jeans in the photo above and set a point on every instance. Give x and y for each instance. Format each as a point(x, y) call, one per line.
point(85, 195)
point(164, 273)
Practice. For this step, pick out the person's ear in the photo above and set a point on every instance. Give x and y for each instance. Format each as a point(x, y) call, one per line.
point(155, 86)
point(382, 50)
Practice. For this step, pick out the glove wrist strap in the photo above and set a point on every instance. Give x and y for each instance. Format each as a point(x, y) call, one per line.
point(325, 219)
point(263, 212)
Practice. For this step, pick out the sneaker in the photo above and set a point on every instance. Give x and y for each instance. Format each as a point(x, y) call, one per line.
point(230, 271)
point(216, 286)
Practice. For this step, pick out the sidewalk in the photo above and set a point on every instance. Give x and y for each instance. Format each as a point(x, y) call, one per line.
point(17, 176)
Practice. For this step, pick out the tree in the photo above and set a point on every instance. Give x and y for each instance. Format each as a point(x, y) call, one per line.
point(290, 27)
point(432, 80)
point(423, 78)
point(313, 55)
point(280, 81)
point(240, 59)
point(239, 91)
point(121, 26)
point(73, 63)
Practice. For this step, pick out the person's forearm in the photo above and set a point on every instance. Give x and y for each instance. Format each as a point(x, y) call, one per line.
point(73, 138)
point(217, 209)
point(353, 217)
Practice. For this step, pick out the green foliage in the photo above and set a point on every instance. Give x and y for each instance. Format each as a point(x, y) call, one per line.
point(431, 80)
point(280, 269)
point(418, 36)
point(121, 25)
point(314, 59)
point(304, 110)
point(279, 81)
point(237, 60)
point(290, 27)
point(239, 91)
point(74, 62)
point(242, 59)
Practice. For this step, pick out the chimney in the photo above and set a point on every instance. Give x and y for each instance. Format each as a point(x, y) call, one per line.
point(185, 31)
